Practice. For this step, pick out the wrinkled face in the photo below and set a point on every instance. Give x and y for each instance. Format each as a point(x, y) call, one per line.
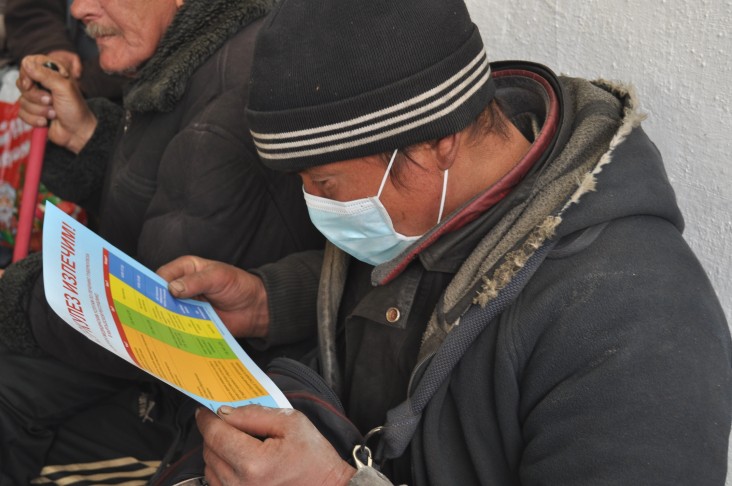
point(127, 32)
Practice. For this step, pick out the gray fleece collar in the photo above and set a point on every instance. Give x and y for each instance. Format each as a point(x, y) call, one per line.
point(604, 116)
point(198, 30)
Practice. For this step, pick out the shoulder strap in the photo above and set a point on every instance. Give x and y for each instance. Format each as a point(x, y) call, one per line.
point(402, 421)
point(332, 283)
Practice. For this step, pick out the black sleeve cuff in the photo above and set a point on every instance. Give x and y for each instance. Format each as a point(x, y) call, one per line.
point(16, 286)
point(292, 290)
point(79, 178)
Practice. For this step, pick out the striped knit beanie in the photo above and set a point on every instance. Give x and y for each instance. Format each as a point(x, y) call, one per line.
point(334, 80)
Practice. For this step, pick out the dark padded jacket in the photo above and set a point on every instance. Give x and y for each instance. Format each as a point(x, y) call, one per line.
point(613, 366)
point(174, 172)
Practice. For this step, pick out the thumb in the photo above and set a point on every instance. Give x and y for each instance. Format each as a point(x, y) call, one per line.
point(260, 421)
point(179, 272)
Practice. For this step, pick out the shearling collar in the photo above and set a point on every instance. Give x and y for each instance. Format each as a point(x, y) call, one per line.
point(198, 30)
point(599, 117)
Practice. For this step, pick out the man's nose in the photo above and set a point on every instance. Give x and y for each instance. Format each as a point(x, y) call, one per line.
point(81, 9)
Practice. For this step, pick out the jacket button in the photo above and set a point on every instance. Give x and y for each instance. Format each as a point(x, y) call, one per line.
point(393, 314)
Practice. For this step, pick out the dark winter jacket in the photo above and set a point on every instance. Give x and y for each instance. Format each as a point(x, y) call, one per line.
point(174, 172)
point(43, 26)
point(613, 366)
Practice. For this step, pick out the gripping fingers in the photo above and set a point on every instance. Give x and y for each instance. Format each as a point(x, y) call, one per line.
point(35, 114)
point(217, 471)
point(35, 103)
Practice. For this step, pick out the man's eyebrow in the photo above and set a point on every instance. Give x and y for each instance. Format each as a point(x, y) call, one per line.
point(317, 172)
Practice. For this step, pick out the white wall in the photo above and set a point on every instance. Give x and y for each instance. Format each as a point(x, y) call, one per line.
point(678, 54)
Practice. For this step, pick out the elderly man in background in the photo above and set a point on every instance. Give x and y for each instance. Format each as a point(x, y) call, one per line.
point(507, 300)
point(173, 171)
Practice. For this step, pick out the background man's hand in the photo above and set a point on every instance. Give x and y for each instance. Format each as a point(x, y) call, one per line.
point(238, 296)
point(293, 452)
point(62, 103)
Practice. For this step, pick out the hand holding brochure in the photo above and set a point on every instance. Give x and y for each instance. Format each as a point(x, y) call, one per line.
point(127, 309)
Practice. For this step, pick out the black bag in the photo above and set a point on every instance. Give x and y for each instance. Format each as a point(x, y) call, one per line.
point(306, 391)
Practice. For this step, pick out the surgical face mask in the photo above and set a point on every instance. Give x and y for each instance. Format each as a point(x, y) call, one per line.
point(362, 227)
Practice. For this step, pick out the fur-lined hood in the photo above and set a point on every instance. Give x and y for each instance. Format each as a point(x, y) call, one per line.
point(578, 189)
point(198, 30)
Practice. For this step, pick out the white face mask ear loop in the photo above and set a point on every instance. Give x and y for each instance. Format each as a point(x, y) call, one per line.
point(444, 193)
point(386, 174)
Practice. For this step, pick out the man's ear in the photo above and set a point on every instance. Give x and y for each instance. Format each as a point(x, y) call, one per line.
point(446, 150)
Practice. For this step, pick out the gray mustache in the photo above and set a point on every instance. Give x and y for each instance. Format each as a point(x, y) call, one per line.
point(95, 30)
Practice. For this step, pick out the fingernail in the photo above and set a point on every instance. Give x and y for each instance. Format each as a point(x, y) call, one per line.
point(46, 100)
point(176, 286)
point(225, 410)
point(51, 114)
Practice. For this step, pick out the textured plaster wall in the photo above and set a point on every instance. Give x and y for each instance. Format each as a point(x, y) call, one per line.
point(678, 55)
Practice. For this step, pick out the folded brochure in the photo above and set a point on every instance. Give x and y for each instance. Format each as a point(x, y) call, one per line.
point(126, 308)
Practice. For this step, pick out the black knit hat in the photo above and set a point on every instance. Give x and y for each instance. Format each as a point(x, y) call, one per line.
point(334, 80)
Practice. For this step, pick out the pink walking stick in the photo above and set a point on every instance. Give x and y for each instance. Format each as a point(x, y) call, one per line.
point(30, 193)
point(30, 188)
